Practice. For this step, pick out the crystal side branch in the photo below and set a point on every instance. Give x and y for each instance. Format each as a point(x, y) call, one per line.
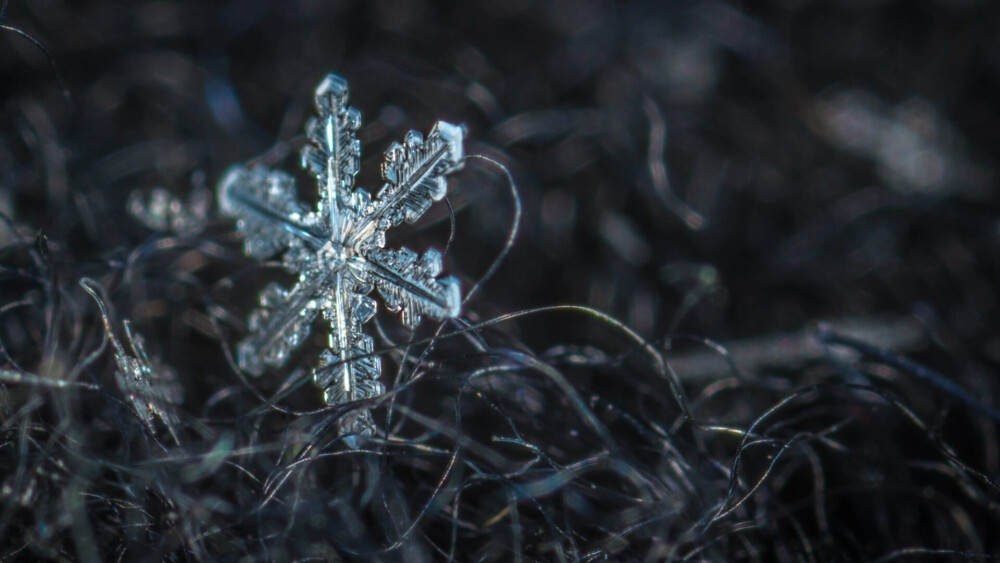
point(337, 249)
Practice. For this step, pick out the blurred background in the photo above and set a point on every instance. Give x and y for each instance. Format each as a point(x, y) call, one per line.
point(732, 171)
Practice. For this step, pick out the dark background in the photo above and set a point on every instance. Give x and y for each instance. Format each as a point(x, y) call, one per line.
point(722, 170)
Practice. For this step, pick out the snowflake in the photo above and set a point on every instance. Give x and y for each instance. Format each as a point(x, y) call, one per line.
point(337, 249)
point(148, 386)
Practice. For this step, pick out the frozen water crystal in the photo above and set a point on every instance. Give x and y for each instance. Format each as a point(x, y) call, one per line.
point(337, 249)
point(160, 210)
point(149, 387)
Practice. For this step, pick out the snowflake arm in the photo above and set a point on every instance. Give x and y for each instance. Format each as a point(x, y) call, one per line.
point(408, 283)
point(280, 324)
point(268, 216)
point(348, 371)
point(333, 155)
point(414, 174)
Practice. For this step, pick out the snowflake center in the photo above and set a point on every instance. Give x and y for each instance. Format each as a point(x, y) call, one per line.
point(335, 254)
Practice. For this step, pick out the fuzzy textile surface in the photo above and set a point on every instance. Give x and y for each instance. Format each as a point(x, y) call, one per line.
point(731, 268)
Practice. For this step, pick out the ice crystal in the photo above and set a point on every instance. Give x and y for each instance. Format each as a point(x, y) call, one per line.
point(149, 387)
point(337, 249)
point(160, 210)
